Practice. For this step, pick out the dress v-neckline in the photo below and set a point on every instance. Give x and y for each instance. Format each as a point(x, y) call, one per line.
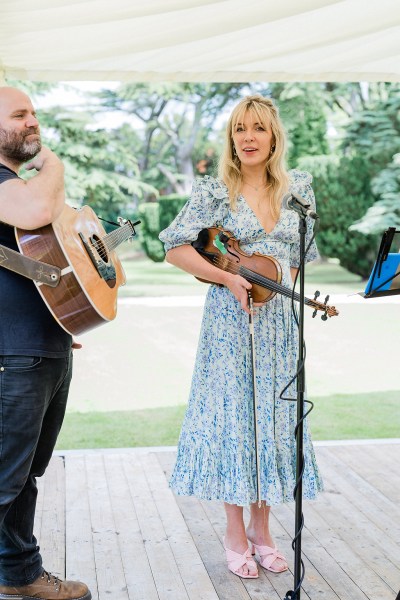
point(257, 219)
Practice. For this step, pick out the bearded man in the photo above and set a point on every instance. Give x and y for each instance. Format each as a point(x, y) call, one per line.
point(35, 358)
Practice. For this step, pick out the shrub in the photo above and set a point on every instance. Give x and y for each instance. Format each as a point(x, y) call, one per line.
point(155, 217)
point(343, 193)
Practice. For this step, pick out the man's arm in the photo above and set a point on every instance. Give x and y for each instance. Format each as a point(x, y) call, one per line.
point(38, 201)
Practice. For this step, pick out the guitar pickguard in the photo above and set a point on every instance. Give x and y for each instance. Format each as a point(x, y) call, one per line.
point(106, 272)
point(105, 269)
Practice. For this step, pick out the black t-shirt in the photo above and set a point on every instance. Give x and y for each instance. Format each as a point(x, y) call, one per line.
point(26, 325)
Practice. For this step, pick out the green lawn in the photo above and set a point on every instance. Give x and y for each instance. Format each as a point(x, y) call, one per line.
point(147, 278)
point(359, 416)
point(337, 416)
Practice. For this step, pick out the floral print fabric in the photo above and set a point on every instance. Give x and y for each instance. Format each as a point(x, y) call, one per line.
point(216, 451)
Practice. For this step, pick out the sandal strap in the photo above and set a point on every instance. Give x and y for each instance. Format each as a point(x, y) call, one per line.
point(236, 560)
point(268, 555)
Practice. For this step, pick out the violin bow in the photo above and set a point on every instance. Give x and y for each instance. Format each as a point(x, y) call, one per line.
point(254, 381)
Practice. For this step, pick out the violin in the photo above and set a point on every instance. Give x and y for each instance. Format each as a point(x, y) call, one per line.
point(264, 272)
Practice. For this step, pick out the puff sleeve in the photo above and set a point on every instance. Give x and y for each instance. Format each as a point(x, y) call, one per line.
point(301, 184)
point(205, 208)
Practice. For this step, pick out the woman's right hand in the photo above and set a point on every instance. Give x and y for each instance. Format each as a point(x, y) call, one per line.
point(239, 286)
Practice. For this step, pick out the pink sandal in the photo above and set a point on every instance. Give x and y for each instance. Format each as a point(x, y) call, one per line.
point(236, 561)
point(268, 556)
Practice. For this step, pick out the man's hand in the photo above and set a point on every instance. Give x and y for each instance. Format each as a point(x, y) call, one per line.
point(45, 155)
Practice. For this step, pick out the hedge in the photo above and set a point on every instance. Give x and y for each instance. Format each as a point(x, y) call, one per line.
point(156, 216)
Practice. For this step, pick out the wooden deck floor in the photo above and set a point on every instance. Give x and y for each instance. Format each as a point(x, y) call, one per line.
point(109, 519)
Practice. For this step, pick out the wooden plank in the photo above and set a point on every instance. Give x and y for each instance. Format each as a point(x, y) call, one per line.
point(344, 553)
point(268, 583)
point(283, 532)
point(127, 536)
point(379, 556)
point(138, 575)
point(316, 540)
point(80, 562)
point(110, 573)
point(194, 575)
point(161, 558)
point(339, 477)
point(281, 583)
point(226, 584)
point(365, 460)
point(52, 542)
point(41, 486)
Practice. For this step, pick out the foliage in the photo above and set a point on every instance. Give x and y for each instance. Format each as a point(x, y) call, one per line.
point(175, 118)
point(343, 194)
point(385, 212)
point(99, 169)
point(345, 134)
point(303, 110)
point(169, 208)
point(155, 217)
point(374, 133)
point(149, 215)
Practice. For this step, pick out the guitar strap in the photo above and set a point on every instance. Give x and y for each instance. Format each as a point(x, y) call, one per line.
point(29, 267)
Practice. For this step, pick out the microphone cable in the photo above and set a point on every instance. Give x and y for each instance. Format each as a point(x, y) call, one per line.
point(293, 595)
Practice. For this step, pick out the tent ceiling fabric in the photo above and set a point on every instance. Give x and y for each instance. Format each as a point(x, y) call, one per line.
point(200, 40)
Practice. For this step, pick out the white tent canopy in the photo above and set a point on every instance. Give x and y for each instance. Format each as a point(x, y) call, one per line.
point(200, 40)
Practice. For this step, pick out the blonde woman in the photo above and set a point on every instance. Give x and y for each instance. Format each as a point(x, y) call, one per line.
point(216, 452)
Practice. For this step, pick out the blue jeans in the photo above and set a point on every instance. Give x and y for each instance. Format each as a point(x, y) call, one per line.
point(33, 398)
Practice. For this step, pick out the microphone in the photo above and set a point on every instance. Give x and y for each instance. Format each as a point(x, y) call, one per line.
point(295, 202)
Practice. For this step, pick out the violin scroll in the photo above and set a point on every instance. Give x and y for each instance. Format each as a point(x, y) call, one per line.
point(328, 311)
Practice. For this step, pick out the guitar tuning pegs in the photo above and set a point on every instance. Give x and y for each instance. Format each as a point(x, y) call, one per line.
point(324, 317)
point(317, 293)
point(326, 299)
point(314, 313)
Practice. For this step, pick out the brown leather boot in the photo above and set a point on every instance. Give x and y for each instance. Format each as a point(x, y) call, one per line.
point(47, 587)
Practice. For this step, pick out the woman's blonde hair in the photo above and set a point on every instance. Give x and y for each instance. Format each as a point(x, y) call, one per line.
point(266, 113)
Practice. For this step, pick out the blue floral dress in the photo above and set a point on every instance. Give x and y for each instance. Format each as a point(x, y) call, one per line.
point(216, 451)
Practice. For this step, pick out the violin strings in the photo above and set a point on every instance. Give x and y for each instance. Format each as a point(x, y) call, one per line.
point(257, 279)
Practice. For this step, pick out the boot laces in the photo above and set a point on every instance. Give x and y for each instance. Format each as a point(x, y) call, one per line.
point(51, 579)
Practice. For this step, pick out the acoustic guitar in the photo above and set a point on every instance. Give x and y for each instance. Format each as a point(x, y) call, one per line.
point(91, 272)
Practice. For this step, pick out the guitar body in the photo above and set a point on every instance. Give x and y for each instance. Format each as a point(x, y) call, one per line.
point(86, 295)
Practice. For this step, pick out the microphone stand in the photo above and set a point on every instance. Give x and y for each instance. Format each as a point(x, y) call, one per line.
point(298, 489)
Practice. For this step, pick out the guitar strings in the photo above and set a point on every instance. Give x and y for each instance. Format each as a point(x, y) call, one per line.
point(112, 240)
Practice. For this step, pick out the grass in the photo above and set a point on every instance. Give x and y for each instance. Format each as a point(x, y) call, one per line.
point(355, 416)
point(147, 278)
point(358, 416)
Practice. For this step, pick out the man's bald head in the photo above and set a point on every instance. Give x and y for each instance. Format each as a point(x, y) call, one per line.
point(19, 127)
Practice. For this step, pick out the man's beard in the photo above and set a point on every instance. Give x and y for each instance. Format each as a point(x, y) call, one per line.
point(15, 146)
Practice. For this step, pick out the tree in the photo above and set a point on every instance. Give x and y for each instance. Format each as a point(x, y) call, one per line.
point(303, 109)
point(385, 212)
point(175, 118)
point(373, 132)
point(100, 168)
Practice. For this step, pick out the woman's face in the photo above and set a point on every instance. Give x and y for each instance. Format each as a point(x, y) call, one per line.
point(252, 141)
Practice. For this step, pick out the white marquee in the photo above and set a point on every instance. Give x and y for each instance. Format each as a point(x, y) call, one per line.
point(200, 40)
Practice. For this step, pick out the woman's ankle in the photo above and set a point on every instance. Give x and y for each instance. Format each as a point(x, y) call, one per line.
point(259, 536)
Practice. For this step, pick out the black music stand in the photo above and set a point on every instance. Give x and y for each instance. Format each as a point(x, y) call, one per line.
point(385, 275)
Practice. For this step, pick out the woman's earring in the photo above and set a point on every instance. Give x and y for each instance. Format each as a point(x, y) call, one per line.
point(272, 150)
